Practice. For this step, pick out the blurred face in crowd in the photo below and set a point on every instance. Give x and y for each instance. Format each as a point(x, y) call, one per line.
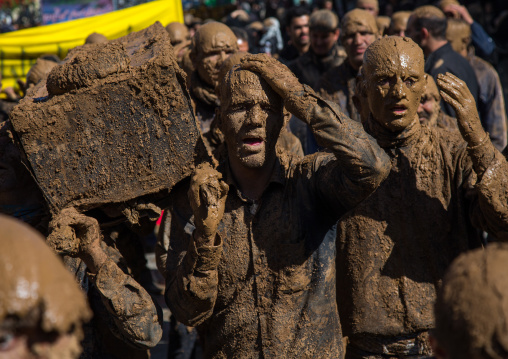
point(371, 6)
point(429, 107)
point(359, 30)
point(399, 23)
point(322, 42)
point(298, 31)
point(393, 80)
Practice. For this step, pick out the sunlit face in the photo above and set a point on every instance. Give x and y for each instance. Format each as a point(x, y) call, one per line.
point(322, 42)
point(299, 30)
point(394, 87)
point(251, 120)
point(355, 40)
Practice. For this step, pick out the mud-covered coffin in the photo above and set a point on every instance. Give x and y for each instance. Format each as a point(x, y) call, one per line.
point(112, 123)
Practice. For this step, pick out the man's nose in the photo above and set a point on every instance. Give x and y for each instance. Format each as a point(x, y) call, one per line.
point(398, 89)
point(357, 38)
point(222, 56)
point(257, 115)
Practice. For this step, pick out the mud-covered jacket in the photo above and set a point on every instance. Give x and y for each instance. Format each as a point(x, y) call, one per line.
point(267, 288)
point(395, 246)
point(491, 101)
point(338, 85)
point(309, 67)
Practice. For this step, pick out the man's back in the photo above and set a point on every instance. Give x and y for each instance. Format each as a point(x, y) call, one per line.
point(491, 104)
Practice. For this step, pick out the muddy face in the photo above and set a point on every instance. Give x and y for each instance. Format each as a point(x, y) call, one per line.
point(399, 23)
point(429, 107)
point(42, 308)
point(359, 30)
point(39, 71)
point(299, 31)
point(472, 306)
point(178, 33)
point(394, 80)
point(213, 43)
point(251, 119)
point(35, 344)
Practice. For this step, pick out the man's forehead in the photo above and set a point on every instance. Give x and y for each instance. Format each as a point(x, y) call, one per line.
point(354, 27)
point(247, 87)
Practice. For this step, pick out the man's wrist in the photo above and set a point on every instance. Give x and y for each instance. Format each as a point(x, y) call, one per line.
point(94, 258)
point(201, 239)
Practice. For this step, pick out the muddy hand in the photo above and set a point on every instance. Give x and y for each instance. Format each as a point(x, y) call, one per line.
point(74, 234)
point(207, 196)
point(455, 92)
point(276, 74)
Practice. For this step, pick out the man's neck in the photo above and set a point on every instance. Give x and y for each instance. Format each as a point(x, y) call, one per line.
point(434, 45)
point(252, 182)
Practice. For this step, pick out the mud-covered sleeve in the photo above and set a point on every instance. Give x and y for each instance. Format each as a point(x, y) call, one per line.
point(137, 318)
point(359, 166)
point(489, 203)
point(191, 272)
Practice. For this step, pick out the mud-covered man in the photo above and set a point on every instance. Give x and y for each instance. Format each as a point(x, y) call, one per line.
point(359, 30)
point(42, 309)
point(211, 45)
point(247, 249)
point(471, 307)
point(394, 247)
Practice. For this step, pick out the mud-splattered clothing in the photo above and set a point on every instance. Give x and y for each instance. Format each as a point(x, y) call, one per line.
point(395, 246)
point(309, 67)
point(490, 102)
point(267, 288)
point(445, 59)
point(338, 85)
point(127, 322)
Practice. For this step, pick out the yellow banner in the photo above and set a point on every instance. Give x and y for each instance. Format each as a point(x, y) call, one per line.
point(20, 49)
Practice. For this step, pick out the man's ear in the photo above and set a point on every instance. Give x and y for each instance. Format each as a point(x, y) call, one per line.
point(424, 33)
point(336, 34)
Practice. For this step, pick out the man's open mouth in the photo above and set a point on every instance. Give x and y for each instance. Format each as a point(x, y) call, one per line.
point(399, 109)
point(253, 141)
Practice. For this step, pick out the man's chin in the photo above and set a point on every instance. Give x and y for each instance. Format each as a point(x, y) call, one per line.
point(254, 161)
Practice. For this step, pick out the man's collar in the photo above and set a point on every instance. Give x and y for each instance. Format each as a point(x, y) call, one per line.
point(277, 176)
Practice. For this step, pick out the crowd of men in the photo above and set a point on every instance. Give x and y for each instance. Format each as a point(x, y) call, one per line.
point(355, 206)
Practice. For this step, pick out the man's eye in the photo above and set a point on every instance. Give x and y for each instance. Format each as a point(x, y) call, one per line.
point(410, 81)
point(6, 341)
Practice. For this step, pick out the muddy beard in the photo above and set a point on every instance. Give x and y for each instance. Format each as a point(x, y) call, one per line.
point(430, 118)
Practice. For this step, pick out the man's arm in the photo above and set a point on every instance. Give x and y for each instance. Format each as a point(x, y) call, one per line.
point(360, 165)
point(194, 249)
point(135, 314)
point(490, 208)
